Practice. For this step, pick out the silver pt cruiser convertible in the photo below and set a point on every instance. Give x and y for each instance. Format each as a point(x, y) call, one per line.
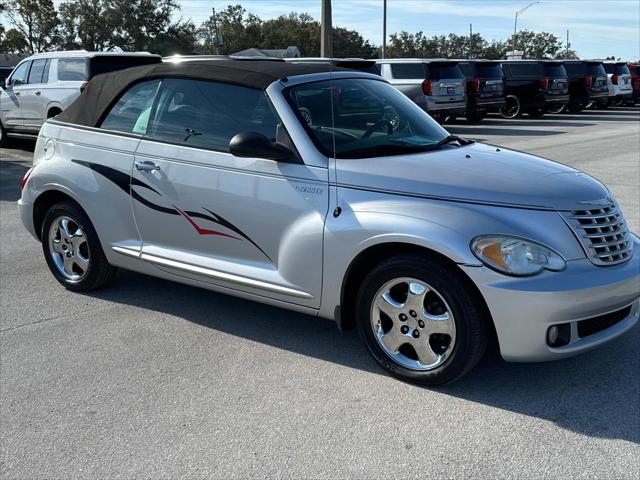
point(328, 192)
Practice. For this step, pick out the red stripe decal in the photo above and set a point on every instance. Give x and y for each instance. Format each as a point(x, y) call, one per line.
point(203, 231)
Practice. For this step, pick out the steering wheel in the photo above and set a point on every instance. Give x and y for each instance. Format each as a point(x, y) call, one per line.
point(375, 126)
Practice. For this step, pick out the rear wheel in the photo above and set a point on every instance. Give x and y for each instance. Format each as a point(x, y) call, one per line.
point(72, 249)
point(536, 113)
point(511, 108)
point(420, 320)
point(475, 117)
point(559, 108)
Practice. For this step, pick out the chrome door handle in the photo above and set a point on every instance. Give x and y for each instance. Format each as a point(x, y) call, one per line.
point(146, 166)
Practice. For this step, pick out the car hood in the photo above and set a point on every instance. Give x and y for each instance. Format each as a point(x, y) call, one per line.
point(475, 173)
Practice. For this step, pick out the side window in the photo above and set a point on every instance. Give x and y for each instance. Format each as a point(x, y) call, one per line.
point(37, 70)
point(407, 70)
point(131, 112)
point(20, 74)
point(209, 114)
point(72, 69)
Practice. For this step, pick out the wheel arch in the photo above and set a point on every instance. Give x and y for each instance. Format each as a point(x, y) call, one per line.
point(44, 202)
point(53, 110)
point(368, 258)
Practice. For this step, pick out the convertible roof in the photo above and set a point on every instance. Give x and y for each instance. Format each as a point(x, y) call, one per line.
point(102, 90)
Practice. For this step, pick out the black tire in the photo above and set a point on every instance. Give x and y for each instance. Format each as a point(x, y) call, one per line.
point(3, 136)
point(536, 113)
point(99, 271)
point(475, 117)
point(555, 109)
point(512, 107)
point(468, 310)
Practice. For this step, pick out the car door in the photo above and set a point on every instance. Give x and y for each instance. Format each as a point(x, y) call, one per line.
point(244, 224)
point(34, 95)
point(11, 98)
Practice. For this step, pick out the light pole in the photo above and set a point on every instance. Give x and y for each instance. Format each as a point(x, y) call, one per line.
point(326, 47)
point(384, 29)
point(515, 27)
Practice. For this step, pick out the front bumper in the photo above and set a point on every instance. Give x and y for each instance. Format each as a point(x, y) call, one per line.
point(25, 211)
point(523, 309)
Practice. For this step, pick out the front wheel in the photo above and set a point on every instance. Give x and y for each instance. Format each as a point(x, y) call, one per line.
point(421, 320)
point(72, 249)
point(511, 107)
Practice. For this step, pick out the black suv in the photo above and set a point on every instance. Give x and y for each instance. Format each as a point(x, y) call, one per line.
point(485, 87)
point(533, 86)
point(587, 83)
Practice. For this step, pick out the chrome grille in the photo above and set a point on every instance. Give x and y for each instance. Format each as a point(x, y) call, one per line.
point(603, 233)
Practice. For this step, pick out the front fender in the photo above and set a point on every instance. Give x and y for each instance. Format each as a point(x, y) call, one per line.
point(369, 219)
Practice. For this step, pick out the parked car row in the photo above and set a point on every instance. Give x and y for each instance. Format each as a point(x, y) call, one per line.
point(43, 85)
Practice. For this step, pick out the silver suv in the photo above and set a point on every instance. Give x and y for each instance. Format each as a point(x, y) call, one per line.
point(332, 194)
point(436, 85)
point(44, 84)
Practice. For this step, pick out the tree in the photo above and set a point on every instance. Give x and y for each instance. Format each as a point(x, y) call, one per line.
point(496, 50)
point(537, 45)
point(299, 29)
point(180, 38)
point(238, 31)
point(12, 41)
point(87, 24)
point(349, 43)
point(140, 23)
point(405, 44)
point(36, 20)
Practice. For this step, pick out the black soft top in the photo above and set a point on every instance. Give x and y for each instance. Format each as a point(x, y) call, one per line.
point(103, 90)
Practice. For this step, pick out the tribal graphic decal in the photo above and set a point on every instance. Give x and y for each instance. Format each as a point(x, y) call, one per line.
point(127, 182)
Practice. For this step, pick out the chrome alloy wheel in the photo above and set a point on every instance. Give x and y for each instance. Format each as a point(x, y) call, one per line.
point(69, 248)
point(413, 324)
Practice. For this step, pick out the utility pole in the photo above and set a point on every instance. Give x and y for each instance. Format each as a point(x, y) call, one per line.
point(326, 44)
point(470, 40)
point(566, 55)
point(515, 27)
point(214, 37)
point(384, 29)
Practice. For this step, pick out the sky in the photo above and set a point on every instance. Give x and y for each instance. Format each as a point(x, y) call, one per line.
point(597, 28)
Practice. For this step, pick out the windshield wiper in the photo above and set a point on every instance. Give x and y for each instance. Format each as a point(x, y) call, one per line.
point(451, 139)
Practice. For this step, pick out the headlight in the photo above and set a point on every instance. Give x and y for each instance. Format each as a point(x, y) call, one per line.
point(516, 256)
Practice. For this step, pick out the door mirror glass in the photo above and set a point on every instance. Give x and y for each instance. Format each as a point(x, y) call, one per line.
point(256, 145)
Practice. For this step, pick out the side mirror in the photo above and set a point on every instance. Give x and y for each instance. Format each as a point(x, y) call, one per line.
point(256, 145)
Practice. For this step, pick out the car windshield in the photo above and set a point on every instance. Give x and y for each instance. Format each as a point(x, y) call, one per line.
point(363, 118)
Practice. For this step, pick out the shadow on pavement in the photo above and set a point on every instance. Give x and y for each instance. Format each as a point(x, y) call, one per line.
point(591, 394)
point(10, 175)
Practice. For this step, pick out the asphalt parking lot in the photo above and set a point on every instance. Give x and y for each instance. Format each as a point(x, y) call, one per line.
point(153, 379)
